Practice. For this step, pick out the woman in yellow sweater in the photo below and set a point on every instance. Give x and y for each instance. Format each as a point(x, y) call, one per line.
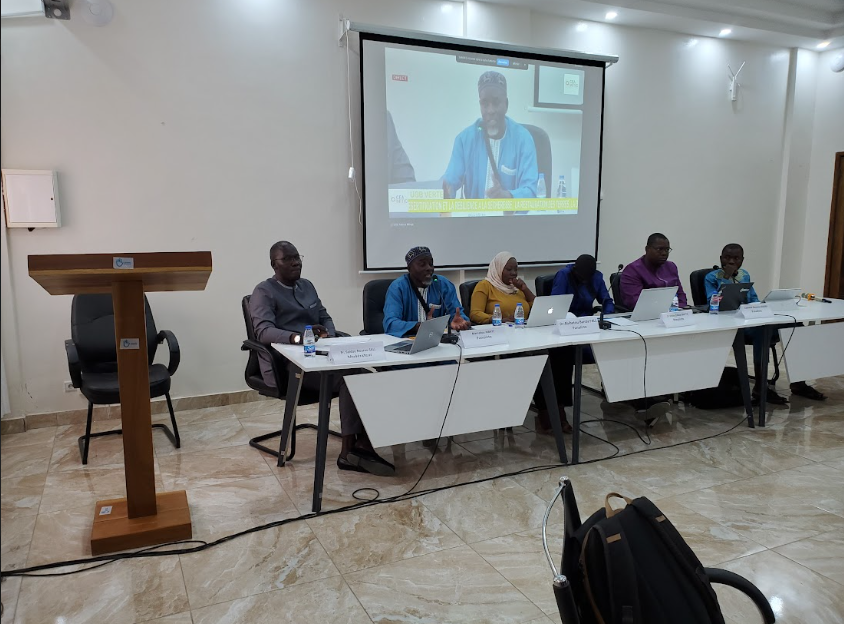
point(502, 286)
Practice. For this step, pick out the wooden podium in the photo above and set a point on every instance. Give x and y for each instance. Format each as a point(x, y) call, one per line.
point(143, 518)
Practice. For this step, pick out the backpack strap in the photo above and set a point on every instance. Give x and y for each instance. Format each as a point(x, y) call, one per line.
point(621, 572)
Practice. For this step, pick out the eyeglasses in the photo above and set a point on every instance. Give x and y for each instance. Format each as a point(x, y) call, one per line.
point(292, 259)
point(665, 250)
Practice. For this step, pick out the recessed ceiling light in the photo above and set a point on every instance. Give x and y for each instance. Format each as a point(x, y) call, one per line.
point(725, 31)
point(822, 45)
point(581, 27)
point(611, 15)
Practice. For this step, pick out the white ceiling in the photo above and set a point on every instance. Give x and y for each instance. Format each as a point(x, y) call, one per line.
point(789, 23)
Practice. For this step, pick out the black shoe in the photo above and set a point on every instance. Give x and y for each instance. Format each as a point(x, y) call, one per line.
point(801, 388)
point(771, 398)
point(370, 462)
point(344, 464)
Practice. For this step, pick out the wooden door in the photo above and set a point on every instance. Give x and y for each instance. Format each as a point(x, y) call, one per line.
point(834, 282)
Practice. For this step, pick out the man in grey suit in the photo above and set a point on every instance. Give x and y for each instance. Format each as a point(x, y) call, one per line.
point(281, 307)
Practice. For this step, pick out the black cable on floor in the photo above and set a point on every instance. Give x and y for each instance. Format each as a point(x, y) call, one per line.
point(153, 551)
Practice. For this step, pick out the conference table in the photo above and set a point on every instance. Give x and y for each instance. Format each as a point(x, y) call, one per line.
point(449, 390)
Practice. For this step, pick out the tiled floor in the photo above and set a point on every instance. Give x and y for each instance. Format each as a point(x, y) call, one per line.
point(768, 504)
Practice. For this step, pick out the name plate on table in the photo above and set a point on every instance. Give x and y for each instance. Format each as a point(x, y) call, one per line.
point(583, 325)
point(354, 352)
point(484, 337)
point(681, 318)
point(756, 311)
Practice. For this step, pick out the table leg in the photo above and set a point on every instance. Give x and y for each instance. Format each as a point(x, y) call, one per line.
point(763, 383)
point(546, 381)
point(294, 384)
point(741, 363)
point(575, 419)
point(133, 374)
point(322, 438)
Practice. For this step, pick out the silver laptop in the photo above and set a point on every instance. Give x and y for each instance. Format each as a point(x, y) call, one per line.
point(427, 337)
point(652, 302)
point(548, 310)
point(783, 298)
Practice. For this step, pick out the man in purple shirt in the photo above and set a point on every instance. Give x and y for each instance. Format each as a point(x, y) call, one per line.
point(653, 270)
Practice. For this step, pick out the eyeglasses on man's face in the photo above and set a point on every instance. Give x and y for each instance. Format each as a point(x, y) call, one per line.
point(292, 259)
point(662, 250)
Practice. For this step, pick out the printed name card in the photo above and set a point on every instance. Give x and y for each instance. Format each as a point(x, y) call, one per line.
point(756, 311)
point(484, 337)
point(681, 318)
point(582, 325)
point(353, 352)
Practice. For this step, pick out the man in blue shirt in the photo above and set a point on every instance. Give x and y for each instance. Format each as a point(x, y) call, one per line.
point(586, 283)
point(420, 295)
point(495, 157)
point(732, 257)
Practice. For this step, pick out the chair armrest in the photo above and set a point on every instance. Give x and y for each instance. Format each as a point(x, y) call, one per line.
point(73, 363)
point(173, 347)
point(277, 360)
point(340, 334)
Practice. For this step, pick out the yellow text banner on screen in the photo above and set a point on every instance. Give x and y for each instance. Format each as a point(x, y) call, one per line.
point(565, 205)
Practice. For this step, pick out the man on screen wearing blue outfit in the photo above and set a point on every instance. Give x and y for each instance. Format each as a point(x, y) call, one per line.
point(494, 157)
point(404, 310)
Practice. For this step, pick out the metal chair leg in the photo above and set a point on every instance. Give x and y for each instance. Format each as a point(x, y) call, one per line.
point(85, 440)
point(177, 439)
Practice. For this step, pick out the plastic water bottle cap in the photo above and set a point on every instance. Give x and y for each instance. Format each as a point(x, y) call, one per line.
point(308, 327)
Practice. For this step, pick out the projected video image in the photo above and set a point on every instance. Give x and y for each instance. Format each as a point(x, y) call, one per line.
point(477, 135)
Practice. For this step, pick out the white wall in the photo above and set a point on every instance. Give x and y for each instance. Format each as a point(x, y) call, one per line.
point(223, 126)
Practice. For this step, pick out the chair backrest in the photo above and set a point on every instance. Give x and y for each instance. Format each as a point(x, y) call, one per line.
point(253, 367)
point(374, 296)
point(697, 286)
point(92, 331)
point(616, 289)
point(466, 290)
point(543, 156)
point(543, 284)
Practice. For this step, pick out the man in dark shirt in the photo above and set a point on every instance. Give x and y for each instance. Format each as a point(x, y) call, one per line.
point(281, 307)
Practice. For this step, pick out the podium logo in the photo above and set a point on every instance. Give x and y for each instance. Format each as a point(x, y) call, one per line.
point(571, 85)
point(130, 343)
point(123, 263)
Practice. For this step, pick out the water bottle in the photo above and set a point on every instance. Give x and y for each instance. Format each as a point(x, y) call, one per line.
point(715, 302)
point(309, 342)
point(675, 305)
point(496, 315)
point(561, 187)
point(541, 192)
point(519, 316)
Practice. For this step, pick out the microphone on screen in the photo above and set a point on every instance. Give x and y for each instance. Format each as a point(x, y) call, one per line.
point(602, 324)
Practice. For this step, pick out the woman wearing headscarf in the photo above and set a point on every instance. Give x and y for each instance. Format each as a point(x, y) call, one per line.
point(503, 286)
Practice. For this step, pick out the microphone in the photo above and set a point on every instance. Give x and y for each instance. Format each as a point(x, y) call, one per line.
point(602, 324)
point(814, 297)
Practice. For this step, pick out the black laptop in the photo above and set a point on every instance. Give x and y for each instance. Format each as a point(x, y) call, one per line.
point(734, 295)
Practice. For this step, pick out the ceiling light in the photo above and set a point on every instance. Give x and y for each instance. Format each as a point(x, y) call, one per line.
point(611, 15)
point(725, 31)
point(822, 45)
point(581, 27)
point(691, 43)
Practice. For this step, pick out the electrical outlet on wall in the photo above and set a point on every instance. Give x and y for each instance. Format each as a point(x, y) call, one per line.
point(68, 386)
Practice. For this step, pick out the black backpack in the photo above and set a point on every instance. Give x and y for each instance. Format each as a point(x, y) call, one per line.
point(633, 567)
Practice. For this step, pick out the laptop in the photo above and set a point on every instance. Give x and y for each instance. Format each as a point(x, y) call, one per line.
point(733, 296)
point(652, 302)
point(427, 337)
point(548, 310)
point(783, 298)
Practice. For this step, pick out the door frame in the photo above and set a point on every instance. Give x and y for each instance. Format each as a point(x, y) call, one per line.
point(835, 245)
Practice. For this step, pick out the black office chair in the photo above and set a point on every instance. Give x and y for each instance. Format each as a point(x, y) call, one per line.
point(374, 296)
point(255, 380)
point(615, 280)
point(543, 156)
point(543, 284)
point(92, 362)
point(698, 288)
point(466, 290)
